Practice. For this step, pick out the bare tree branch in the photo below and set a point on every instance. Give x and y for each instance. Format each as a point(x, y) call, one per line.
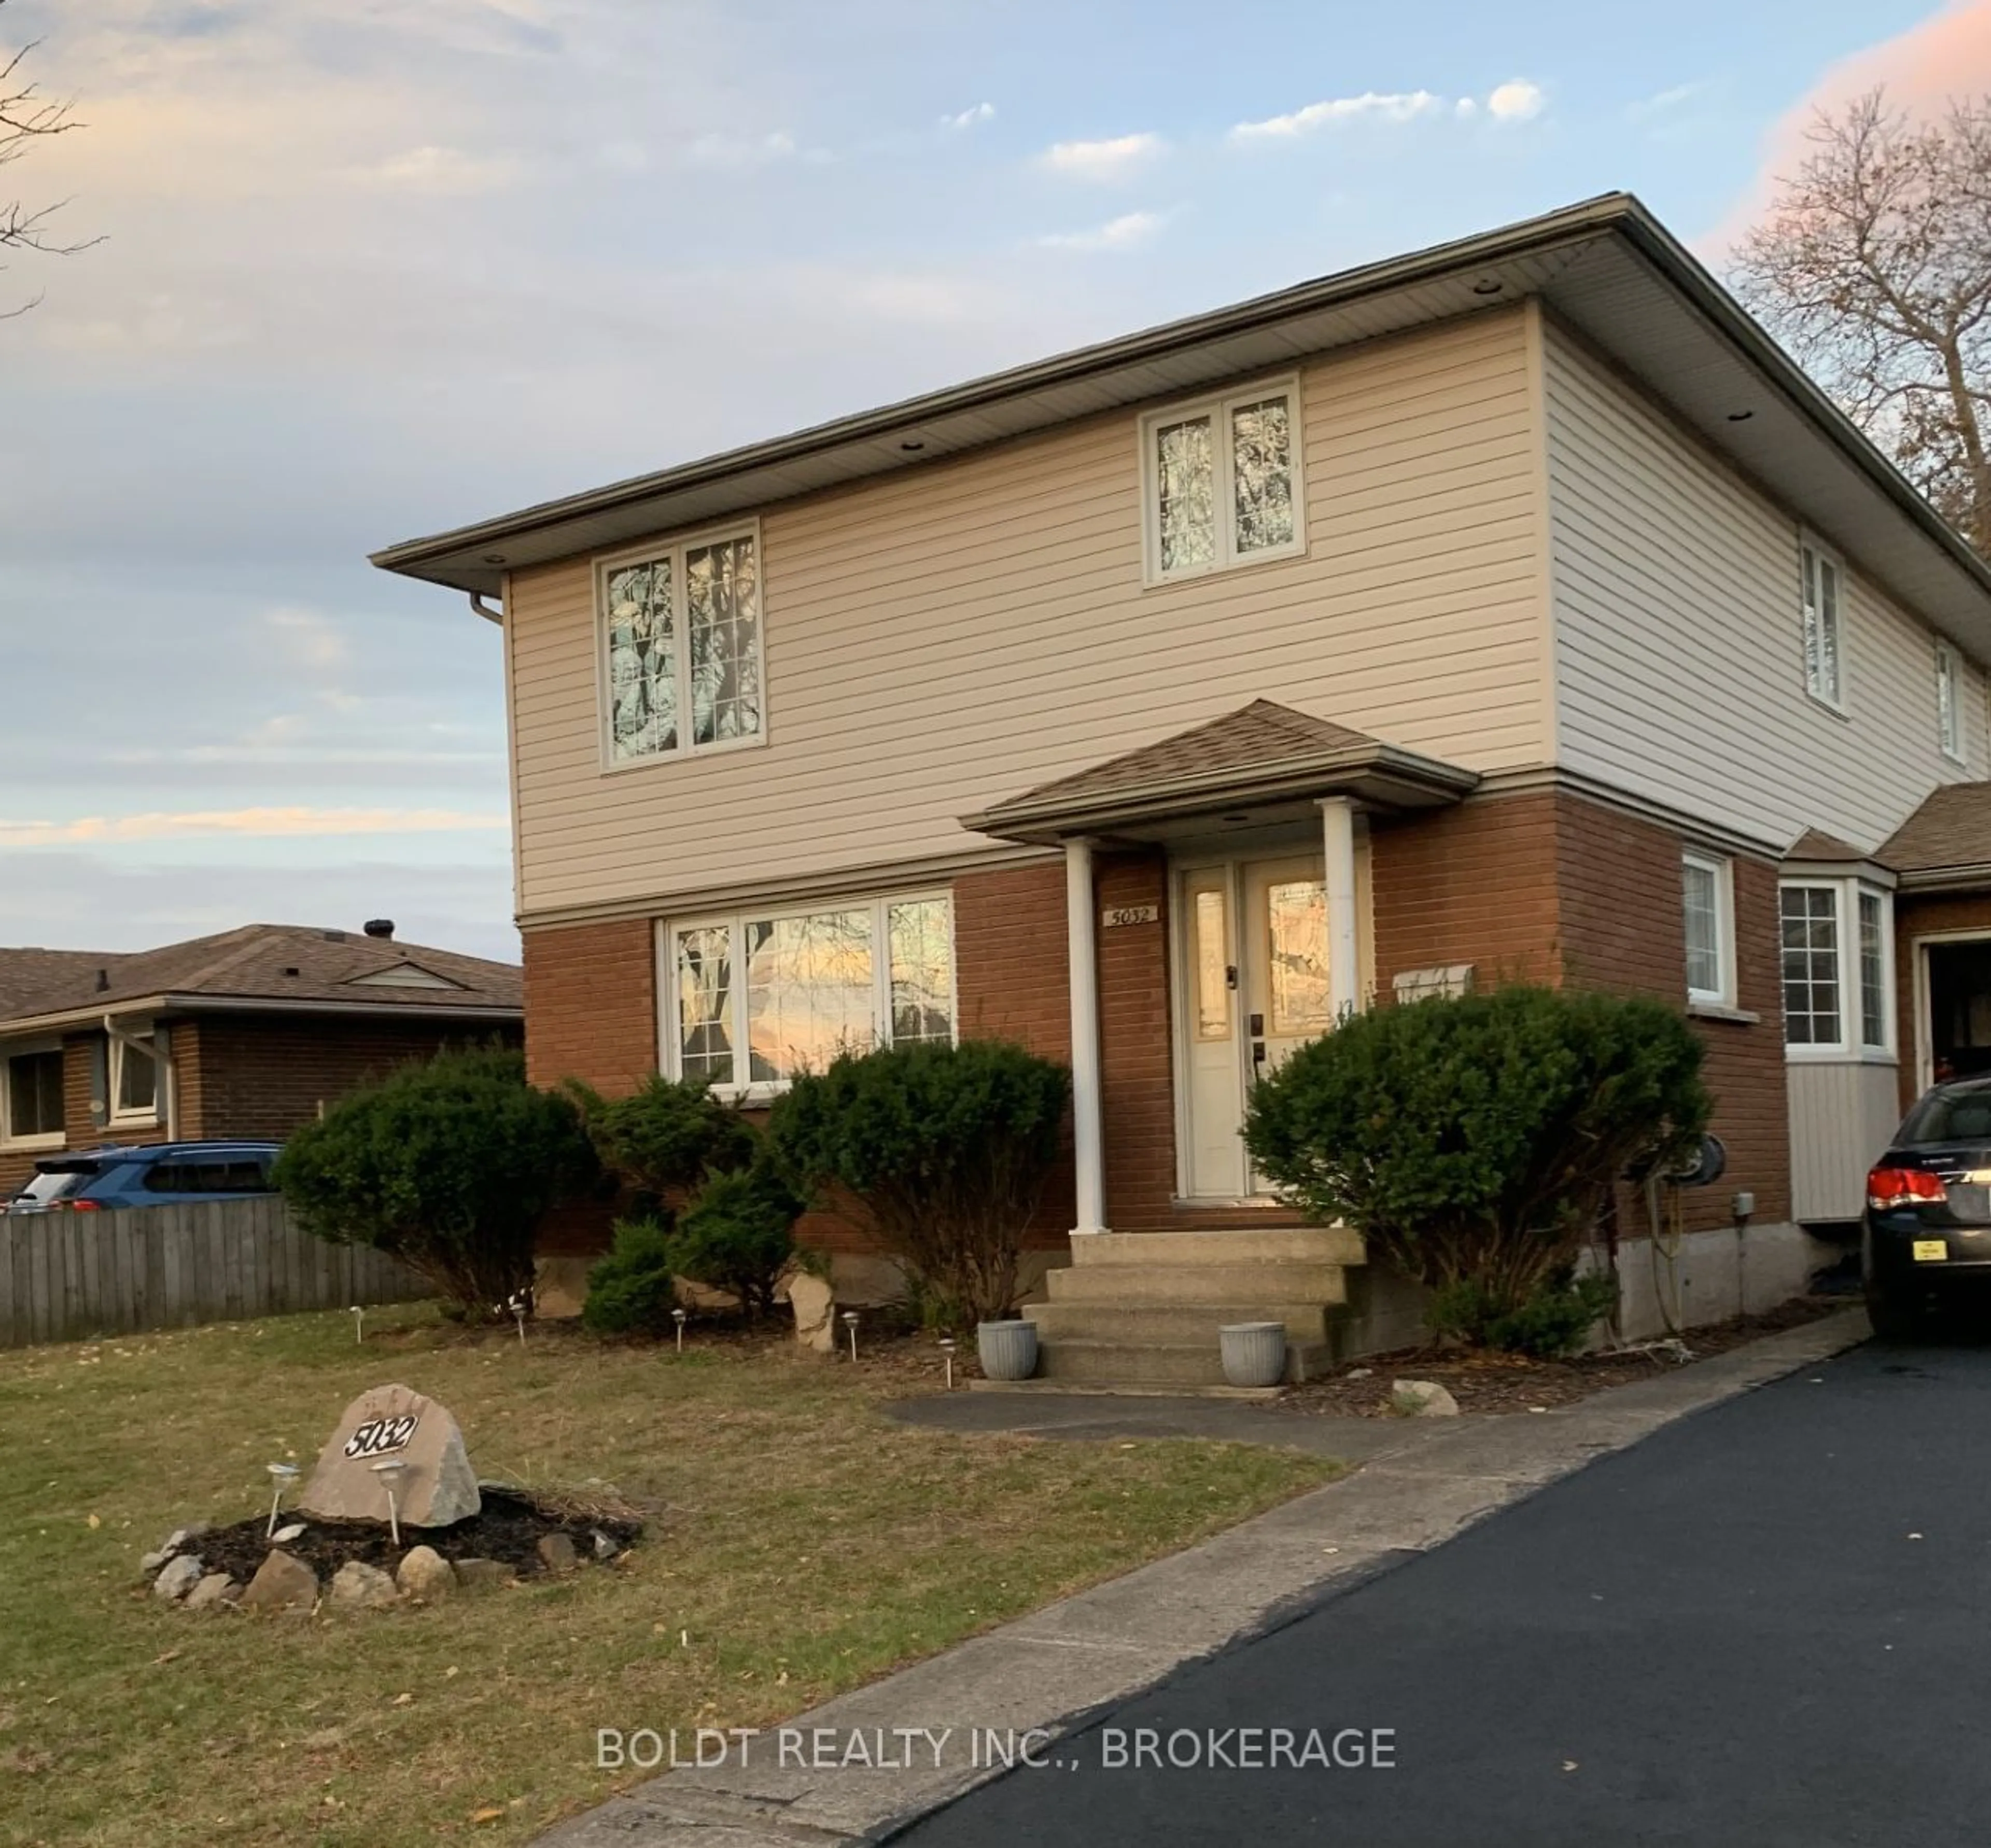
point(1873, 267)
point(27, 119)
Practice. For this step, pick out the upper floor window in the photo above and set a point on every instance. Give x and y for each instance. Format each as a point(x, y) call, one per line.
point(1221, 482)
point(1837, 954)
point(756, 999)
point(1948, 713)
point(1707, 890)
point(1822, 590)
point(30, 1101)
point(681, 648)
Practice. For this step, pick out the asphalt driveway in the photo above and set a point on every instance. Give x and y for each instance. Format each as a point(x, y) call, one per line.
point(1768, 1624)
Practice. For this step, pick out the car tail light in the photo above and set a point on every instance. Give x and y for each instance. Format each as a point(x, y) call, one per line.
point(1887, 1187)
point(79, 1206)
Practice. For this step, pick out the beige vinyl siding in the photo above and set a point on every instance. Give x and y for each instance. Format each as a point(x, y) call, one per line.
point(942, 638)
point(1681, 667)
point(1844, 1113)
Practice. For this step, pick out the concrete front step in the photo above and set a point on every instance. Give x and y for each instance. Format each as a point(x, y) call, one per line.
point(1305, 1244)
point(1245, 1281)
point(1133, 1325)
point(1158, 1363)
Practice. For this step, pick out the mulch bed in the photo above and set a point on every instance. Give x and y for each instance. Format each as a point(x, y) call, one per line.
point(507, 1528)
point(1512, 1382)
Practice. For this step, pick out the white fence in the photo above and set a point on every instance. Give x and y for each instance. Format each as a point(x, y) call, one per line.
point(67, 1276)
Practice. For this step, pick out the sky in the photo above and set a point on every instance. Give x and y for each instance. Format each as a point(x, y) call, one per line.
point(372, 268)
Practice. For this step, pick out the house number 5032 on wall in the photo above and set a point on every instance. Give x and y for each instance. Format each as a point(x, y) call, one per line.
point(379, 1436)
point(1130, 914)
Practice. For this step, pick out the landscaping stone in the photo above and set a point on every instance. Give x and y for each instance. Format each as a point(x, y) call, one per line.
point(605, 1549)
point(175, 1542)
point(814, 1306)
point(476, 1575)
point(284, 1536)
point(556, 1552)
point(177, 1578)
point(425, 1574)
point(217, 1591)
point(282, 1583)
point(363, 1587)
point(1422, 1399)
point(436, 1486)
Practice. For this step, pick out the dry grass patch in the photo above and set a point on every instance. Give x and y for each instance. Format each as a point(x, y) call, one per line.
point(805, 1545)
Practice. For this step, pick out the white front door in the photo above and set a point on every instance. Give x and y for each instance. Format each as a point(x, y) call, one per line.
point(1255, 986)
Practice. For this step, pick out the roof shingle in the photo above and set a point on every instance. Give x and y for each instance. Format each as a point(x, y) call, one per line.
point(1951, 830)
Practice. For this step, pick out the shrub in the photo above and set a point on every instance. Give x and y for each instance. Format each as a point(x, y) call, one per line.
point(1552, 1322)
point(447, 1165)
point(947, 1147)
point(1474, 1142)
point(738, 1234)
point(633, 1290)
point(664, 1139)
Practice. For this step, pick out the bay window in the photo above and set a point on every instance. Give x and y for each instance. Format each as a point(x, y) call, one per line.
point(752, 1000)
point(1222, 482)
point(681, 649)
point(1837, 959)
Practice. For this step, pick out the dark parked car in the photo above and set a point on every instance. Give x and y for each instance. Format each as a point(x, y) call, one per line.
point(155, 1174)
point(1927, 1236)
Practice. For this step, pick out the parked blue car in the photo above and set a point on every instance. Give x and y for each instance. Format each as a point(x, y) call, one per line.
point(156, 1174)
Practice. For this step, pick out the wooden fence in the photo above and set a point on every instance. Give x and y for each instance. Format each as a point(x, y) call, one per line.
point(68, 1276)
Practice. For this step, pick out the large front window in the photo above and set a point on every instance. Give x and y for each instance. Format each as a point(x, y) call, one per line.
point(681, 649)
point(1222, 482)
point(757, 999)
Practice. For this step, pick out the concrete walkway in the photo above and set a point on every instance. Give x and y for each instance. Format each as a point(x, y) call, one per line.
point(871, 1760)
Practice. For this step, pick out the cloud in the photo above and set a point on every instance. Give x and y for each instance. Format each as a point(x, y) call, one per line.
point(970, 118)
point(1395, 106)
point(442, 172)
point(311, 640)
point(1517, 100)
point(1663, 102)
point(1104, 160)
point(1123, 234)
point(98, 830)
point(740, 154)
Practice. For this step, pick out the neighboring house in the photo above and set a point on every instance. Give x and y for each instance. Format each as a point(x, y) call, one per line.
point(1516, 607)
point(245, 1034)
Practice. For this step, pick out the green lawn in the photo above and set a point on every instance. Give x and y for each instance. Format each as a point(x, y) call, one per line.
point(806, 1545)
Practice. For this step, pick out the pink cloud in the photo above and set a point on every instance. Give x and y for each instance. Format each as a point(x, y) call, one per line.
point(1946, 55)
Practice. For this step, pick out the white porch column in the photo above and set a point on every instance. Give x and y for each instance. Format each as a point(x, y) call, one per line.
point(1088, 1115)
point(1344, 977)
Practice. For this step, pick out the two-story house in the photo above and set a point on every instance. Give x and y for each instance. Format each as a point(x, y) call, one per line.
point(1512, 608)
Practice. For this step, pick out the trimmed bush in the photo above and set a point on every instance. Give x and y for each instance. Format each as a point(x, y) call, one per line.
point(633, 1290)
point(664, 1139)
point(738, 1234)
point(1474, 1142)
point(947, 1148)
point(448, 1166)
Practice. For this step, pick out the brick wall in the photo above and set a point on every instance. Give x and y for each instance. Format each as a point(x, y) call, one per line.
point(591, 1004)
point(1137, 1058)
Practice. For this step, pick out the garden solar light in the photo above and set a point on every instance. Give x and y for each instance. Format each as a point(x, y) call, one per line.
point(518, 1302)
point(387, 1470)
point(281, 1476)
point(678, 1316)
point(358, 1323)
point(850, 1322)
point(947, 1357)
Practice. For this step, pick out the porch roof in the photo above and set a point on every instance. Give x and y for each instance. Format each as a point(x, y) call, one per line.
point(1946, 843)
point(1260, 758)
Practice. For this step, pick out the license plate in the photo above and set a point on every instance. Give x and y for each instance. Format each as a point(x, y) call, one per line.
point(1930, 1251)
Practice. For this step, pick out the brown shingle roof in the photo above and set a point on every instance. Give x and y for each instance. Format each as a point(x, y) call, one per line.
point(255, 963)
point(1951, 830)
point(25, 973)
point(1815, 844)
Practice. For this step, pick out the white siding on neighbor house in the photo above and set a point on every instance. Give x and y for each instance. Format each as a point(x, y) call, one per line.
point(1679, 653)
point(1842, 1114)
point(944, 637)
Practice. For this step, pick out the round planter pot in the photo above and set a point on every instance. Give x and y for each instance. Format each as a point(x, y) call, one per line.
point(1254, 1352)
point(1008, 1351)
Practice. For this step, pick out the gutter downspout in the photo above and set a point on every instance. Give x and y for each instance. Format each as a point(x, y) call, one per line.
point(483, 609)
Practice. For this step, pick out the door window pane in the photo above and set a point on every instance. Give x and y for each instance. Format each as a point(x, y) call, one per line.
point(1873, 973)
point(810, 991)
point(1810, 917)
point(642, 660)
point(1213, 965)
point(705, 1003)
point(1261, 468)
point(1185, 475)
point(1296, 968)
point(922, 971)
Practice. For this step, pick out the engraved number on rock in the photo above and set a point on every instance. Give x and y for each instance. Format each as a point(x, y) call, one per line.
point(378, 1436)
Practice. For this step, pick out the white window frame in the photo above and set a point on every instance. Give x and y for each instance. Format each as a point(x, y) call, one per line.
point(55, 1138)
point(117, 1049)
point(1948, 702)
point(1218, 410)
point(880, 904)
point(1814, 557)
point(1724, 871)
point(1850, 1046)
point(602, 566)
